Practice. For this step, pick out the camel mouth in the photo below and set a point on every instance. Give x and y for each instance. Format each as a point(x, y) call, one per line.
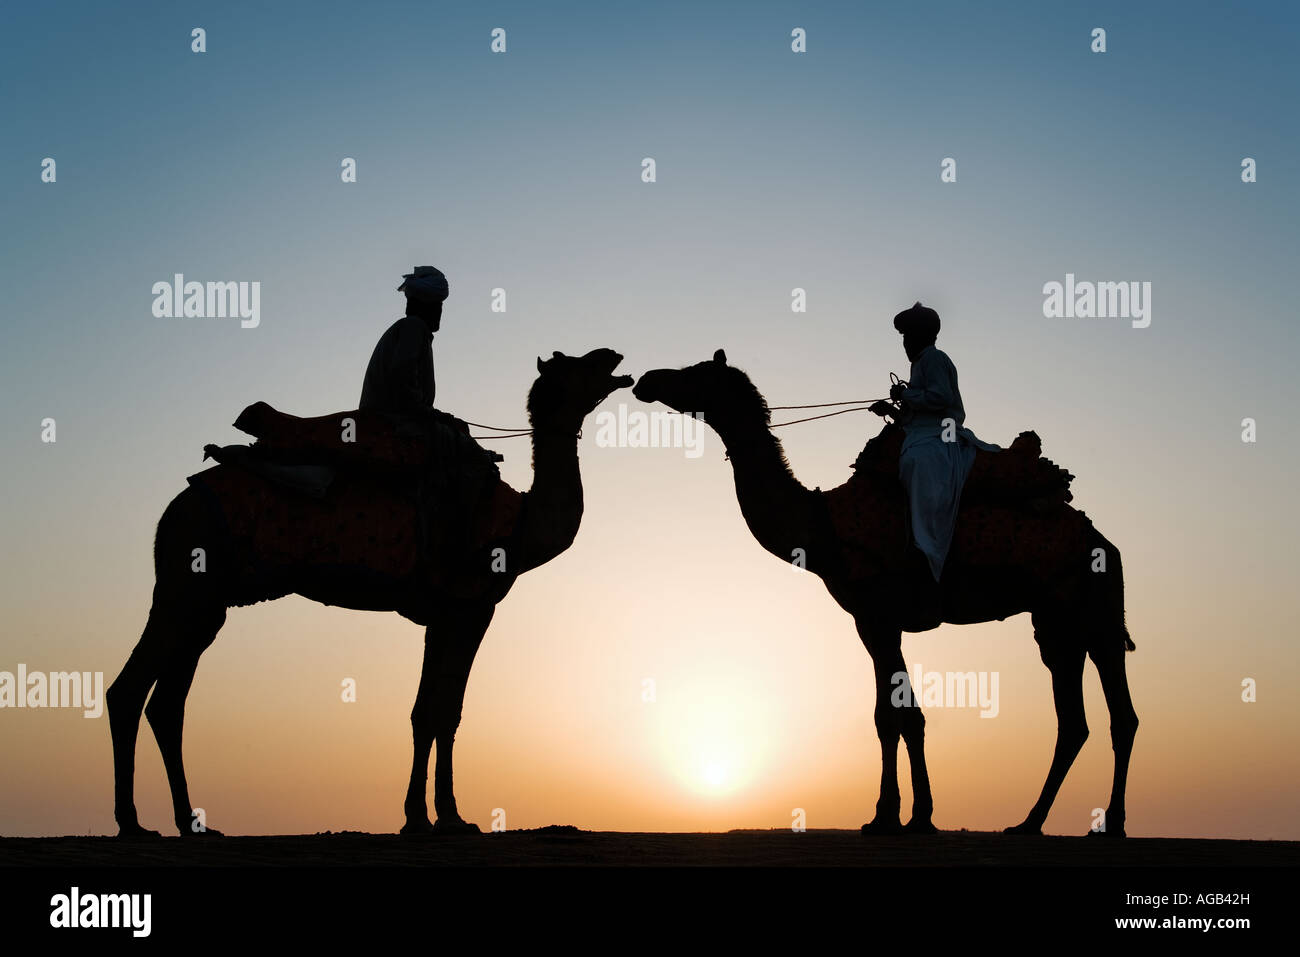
point(615, 359)
point(644, 390)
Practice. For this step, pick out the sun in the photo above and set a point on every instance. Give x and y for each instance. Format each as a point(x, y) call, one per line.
point(713, 738)
point(714, 776)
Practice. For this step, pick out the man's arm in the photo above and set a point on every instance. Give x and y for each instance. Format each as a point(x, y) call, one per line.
point(931, 386)
point(405, 361)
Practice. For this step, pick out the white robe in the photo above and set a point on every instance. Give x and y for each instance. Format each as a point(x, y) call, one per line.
point(937, 454)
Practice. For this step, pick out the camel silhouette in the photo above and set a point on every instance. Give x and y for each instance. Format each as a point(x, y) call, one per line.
point(1006, 558)
point(455, 602)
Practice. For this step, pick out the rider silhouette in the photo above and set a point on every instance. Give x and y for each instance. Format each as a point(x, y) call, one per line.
point(399, 382)
point(938, 451)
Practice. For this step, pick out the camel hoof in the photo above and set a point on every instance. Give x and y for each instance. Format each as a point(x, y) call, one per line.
point(920, 827)
point(1025, 828)
point(444, 825)
point(206, 832)
point(416, 828)
point(455, 825)
point(889, 827)
point(137, 833)
point(1114, 835)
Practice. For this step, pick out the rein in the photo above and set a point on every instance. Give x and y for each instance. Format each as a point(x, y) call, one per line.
point(824, 415)
point(513, 433)
point(859, 405)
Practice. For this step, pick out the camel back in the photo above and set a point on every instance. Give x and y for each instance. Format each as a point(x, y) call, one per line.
point(366, 531)
point(1014, 512)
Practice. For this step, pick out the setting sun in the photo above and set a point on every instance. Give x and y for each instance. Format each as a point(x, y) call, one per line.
point(712, 738)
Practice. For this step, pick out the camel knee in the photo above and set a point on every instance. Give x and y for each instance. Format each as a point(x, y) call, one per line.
point(913, 721)
point(1123, 728)
point(124, 700)
point(1072, 735)
point(888, 723)
point(159, 715)
point(166, 708)
point(448, 724)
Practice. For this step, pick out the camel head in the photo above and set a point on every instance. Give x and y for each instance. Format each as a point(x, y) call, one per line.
point(568, 387)
point(721, 394)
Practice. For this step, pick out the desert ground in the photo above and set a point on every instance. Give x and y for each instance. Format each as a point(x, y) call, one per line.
point(569, 846)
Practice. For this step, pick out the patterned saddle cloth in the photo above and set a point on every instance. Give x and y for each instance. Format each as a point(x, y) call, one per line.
point(1014, 512)
point(365, 495)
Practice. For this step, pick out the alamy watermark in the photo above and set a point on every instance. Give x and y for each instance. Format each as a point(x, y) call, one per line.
point(1098, 300)
point(179, 299)
point(655, 430)
point(75, 909)
point(946, 689)
point(58, 689)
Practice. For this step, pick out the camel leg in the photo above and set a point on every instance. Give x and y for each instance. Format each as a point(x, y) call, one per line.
point(125, 699)
point(910, 722)
point(166, 714)
point(1066, 666)
point(1123, 728)
point(884, 645)
point(913, 728)
point(448, 656)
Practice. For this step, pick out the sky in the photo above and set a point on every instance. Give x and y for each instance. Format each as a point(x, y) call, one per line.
point(775, 170)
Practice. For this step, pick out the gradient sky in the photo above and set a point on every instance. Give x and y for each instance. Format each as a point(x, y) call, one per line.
point(775, 170)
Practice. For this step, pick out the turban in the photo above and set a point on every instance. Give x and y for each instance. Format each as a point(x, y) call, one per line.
point(919, 320)
point(425, 285)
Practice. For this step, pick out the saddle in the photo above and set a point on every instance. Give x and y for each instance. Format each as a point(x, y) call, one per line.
point(1020, 475)
point(1015, 511)
point(361, 438)
point(392, 493)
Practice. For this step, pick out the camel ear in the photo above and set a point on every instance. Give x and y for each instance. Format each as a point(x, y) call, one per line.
point(540, 364)
point(720, 357)
point(556, 354)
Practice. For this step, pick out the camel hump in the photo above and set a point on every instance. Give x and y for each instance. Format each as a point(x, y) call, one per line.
point(1020, 474)
point(1027, 443)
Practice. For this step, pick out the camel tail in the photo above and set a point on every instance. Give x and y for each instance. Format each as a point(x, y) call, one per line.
point(1109, 595)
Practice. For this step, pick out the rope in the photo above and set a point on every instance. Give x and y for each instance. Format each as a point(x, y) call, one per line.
point(824, 405)
point(496, 428)
point(811, 418)
point(859, 406)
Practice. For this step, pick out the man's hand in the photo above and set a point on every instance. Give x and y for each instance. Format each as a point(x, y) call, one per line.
point(882, 408)
point(896, 391)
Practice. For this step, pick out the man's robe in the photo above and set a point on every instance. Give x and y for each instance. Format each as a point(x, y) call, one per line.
point(933, 470)
point(399, 377)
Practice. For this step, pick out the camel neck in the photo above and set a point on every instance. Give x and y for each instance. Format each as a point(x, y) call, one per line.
point(554, 509)
point(774, 504)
